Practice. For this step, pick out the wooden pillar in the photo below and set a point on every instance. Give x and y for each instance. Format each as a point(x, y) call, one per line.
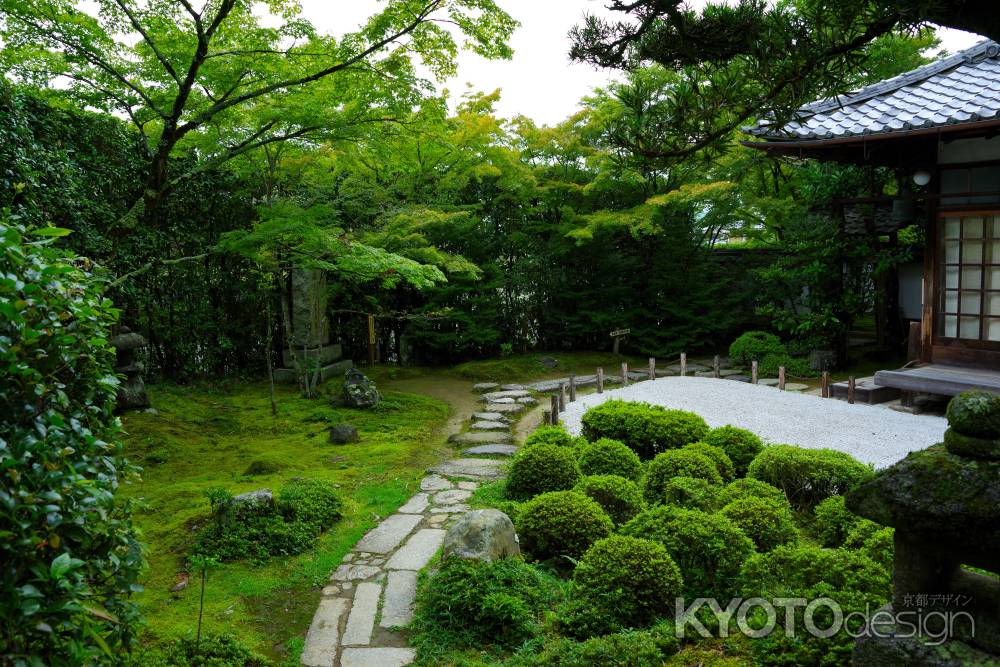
point(624, 373)
point(600, 380)
point(652, 368)
point(554, 410)
point(572, 388)
point(781, 378)
point(850, 389)
point(716, 367)
point(913, 350)
point(684, 364)
point(754, 377)
point(825, 384)
point(562, 397)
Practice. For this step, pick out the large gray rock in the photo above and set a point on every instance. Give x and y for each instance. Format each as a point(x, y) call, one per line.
point(484, 535)
point(343, 434)
point(359, 391)
point(256, 497)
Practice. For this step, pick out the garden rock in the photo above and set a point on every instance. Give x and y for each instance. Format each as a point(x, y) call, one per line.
point(343, 434)
point(482, 535)
point(548, 362)
point(359, 391)
point(489, 426)
point(257, 497)
point(485, 386)
point(483, 438)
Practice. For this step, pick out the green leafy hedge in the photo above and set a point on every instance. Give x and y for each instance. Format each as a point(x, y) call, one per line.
point(540, 468)
point(610, 457)
point(754, 346)
point(561, 525)
point(807, 476)
point(619, 497)
point(740, 445)
point(676, 463)
point(646, 429)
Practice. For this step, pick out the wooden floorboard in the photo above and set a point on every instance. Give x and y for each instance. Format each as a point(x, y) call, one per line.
point(940, 379)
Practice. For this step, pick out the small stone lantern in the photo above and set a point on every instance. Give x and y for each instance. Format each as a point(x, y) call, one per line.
point(132, 390)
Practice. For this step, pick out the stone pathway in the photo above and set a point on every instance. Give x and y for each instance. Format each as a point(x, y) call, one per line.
point(369, 597)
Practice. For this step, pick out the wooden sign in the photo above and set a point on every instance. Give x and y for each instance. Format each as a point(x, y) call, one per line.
point(620, 332)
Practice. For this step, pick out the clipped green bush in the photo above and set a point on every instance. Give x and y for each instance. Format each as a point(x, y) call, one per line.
point(794, 367)
point(676, 463)
point(619, 497)
point(833, 521)
point(874, 540)
point(561, 524)
point(709, 548)
point(755, 345)
point(739, 444)
point(692, 493)
point(646, 429)
point(212, 650)
point(634, 580)
point(610, 457)
point(808, 476)
point(541, 468)
point(975, 413)
point(722, 462)
point(631, 648)
point(769, 523)
point(471, 603)
point(749, 488)
point(549, 435)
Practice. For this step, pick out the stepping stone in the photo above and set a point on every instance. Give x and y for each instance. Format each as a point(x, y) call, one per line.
point(496, 450)
point(434, 483)
point(501, 400)
point(418, 550)
point(386, 536)
point(506, 408)
point(739, 378)
point(351, 572)
point(691, 368)
point(768, 382)
point(795, 386)
point(728, 372)
point(489, 417)
point(400, 592)
point(322, 640)
point(514, 393)
point(489, 469)
point(527, 400)
point(451, 497)
point(376, 657)
point(468, 486)
point(361, 622)
point(415, 505)
point(485, 386)
point(437, 519)
point(490, 426)
point(513, 387)
point(483, 438)
point(450, 509)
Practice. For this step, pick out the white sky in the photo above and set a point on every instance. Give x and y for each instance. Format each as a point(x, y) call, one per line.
point(540, 81)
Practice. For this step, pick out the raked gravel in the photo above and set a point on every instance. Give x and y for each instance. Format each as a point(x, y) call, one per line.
point(871, 434)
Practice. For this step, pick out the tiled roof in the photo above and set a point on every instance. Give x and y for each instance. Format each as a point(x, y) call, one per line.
point(962, 88)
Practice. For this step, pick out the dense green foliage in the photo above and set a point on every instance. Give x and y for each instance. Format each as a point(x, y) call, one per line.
point(646, 429)
point(769, 523)
point(70, 557)
point(561, 525)
point(633, 648)
point(834, 521)
point(541, 468)
point(808, 476)
point(619, 497)
point(550, 435)
point(749, 488)
point(676, 463)
point(975, 413)
point(610, 457)
point(755, 346)
point(691, 492)
point(213, 650)
point(740, 445)
point(718, 456)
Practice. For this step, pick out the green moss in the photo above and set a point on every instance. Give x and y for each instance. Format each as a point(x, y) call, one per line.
point(206, 437)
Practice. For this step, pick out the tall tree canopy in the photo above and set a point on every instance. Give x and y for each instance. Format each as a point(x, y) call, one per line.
point(741, 60)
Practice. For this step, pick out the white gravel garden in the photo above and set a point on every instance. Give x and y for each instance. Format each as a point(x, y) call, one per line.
point(871, 434)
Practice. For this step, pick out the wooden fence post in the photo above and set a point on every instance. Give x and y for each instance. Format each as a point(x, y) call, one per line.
point(555, 410)
point(850, 389)
point(684, 364)
point(624, 373)
point(825, 384)
point(600, 380)
point(754, 377)
point(716, 367)
point(562, 397)
point(652, 368)
point(572, 388)
point(781, 378)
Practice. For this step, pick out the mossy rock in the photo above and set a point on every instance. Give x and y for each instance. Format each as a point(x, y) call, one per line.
point(935, 492)
point(892, 649)
point(967, 445)
point(975, 413)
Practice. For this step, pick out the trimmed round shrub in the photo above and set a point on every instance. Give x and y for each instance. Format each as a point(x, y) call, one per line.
point(808, 476)
point(676, 463)
point(632, 648)
point(610, 457)
point(692, 493)
point(633, 579)
point(541, 468)
point(709, 548)
point(561, 524)
point(722, 462)
point(833, 521)
point(739, 444)
point(471, 603)
point(749, 488)
point(769, 523)
point(619, 497)
point(549, 435)
point(755, 345)
point(874, 540)
point(975, 413)
point(771, 363)
point(646, 429)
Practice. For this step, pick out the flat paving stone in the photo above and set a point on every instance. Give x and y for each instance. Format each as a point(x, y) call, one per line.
point(505, 408)
point(415, 505)
point(483, 438)
point(351, 572)
point(768, 382)
point(450, 509)
point(795, 386)
point(513, 387)
point(485, 386)
point(376, 657)
point(322, 640)
point(386, 536)
point(417, 551)
point(400, 592)
point(515, 393)
point(435, 483)
point(739, 378)
point(475, 468)
point(361, 620)
point(468, 486)
point(490, 426)
point(489, 417)
point(493, 450)
point(502, 400)
point(451, 497)
point(527, 400)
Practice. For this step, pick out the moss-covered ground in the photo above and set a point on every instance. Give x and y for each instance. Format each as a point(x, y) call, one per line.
point(205, 437)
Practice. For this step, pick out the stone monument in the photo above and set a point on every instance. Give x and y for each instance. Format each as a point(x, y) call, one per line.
point(944, 503)
point(307, 330)
point(132, 390)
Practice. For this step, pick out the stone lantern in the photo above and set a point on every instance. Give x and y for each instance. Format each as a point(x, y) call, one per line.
point(944, 503)
point(132, 390)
